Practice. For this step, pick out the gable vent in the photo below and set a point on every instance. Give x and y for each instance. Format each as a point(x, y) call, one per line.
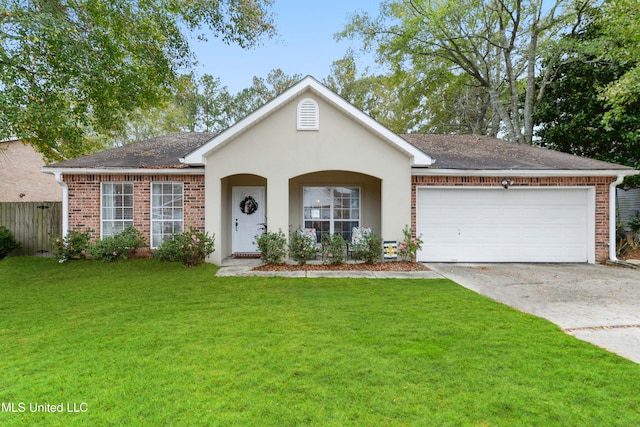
point(308, 115)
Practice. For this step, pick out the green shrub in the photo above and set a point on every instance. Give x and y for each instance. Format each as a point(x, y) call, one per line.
point(7, 242)
point(369, 248)
point(334, 249)
point(302, 247)
point(122, 245)
point(408, 247)
point(272, 247)
point(75, 245)
point(634, 224)
point(190, 248)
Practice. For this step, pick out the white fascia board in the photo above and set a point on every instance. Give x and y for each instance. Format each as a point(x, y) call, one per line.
point(198, 156)
point(118, 171)
point(529, 172)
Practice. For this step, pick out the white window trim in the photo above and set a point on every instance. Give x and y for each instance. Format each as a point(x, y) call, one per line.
point(102, 207)
point(162, 220)
point(308, 115)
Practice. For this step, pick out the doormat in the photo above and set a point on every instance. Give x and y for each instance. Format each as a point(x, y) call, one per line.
point(246, 255)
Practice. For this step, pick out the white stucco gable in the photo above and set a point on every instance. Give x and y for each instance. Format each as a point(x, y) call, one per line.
point(199, 156)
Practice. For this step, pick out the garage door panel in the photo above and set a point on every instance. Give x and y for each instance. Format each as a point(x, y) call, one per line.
point(498, 225)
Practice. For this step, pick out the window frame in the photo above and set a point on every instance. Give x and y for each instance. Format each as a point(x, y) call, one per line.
point(126, 222)
point(173, 209)
point(332, 220)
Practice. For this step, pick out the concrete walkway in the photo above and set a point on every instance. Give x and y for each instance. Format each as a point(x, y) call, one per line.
point(243, 267)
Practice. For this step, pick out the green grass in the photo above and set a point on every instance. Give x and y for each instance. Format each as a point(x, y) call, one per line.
point(146, 343)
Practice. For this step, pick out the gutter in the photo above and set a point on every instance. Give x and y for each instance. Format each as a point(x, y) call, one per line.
point(416, 171)
point(123, 171)
point(612, 217)
point(65, 202)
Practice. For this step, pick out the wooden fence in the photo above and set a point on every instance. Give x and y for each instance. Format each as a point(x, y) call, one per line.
point(32, 224)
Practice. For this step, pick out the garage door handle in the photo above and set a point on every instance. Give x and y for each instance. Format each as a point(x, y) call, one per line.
point(236, 224)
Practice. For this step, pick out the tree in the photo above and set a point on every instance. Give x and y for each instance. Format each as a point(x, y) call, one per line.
point(72, 71)
point(495, 44)
point(576, 115)
point(432, 101)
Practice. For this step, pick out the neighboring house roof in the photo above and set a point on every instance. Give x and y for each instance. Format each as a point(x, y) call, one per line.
point(473, 152)
point(20, 180)
point(163, 152)
point(198, 157)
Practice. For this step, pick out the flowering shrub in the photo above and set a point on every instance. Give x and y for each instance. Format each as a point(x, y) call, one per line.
point(122, 245)
point(369, 248)
point(302, 247)
point(75, 245)
point(190, 248)
point(408, 247)
point(334, 249)
point(272, 247)
point(7, 241)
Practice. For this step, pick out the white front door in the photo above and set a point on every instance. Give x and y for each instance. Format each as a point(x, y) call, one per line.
point(247, 218)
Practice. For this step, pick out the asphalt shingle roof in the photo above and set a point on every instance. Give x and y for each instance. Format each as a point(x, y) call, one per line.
point(465, 152)
point(474, 152)
point(161, 152)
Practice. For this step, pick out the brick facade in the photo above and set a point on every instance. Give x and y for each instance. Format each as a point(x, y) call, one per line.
point(601, 185)
point(84, 200)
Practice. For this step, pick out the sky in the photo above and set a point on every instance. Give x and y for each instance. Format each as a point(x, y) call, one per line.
point(304, 44)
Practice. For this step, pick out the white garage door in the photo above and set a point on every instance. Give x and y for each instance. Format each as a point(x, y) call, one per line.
point(506, 225)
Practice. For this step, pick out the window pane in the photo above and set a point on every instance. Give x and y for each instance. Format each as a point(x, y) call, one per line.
point(167, 211)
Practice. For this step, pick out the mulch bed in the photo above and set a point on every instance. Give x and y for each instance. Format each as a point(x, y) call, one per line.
point(379, 266)
point(633, 254)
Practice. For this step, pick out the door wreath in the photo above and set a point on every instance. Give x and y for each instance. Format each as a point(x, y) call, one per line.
point(248, 205)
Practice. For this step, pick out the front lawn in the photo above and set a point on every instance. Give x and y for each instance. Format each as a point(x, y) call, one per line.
point(147, 343)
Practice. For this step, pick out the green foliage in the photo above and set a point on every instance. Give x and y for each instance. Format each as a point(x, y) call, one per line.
point(369, 248)
point(75, 245)
point(122, 245)
point(190, 248)
point(634, 224)
point(409, 246)
point(72, 72)
point(302, 247)
point(493, 47)
point(574, 117)
point(8, 242)
point(273, 247)
point(334, 249)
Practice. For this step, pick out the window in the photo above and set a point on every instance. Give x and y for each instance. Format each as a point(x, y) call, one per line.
point(116, 207)
point(308, 115)
point(331, 210)
point(167, 211)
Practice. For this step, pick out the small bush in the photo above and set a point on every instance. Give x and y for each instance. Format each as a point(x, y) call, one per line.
point(122, 245)
point(190, 248)
point(408, 247)
point(334, 249)
point(272, 247)
point(369, 248)
point(7, 242)
point(75, 245)
point(302, 247)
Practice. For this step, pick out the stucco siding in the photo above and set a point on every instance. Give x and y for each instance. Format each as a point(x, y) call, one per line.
point(275, 150)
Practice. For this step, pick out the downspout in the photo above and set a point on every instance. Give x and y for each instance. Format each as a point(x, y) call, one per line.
point(612, 217)
point(65, 202)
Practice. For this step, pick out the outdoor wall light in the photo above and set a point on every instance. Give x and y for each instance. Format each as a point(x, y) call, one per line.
point(507, 182)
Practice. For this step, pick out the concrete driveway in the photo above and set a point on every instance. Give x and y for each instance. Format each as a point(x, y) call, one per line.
point(594, 303)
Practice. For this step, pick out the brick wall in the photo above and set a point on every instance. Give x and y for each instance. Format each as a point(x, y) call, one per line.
point(601, 185)
point(84, 200)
